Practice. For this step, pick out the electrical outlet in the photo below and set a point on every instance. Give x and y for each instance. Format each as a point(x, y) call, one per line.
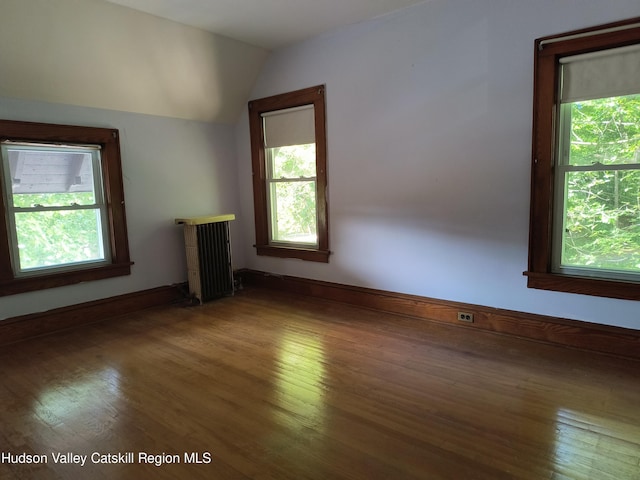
point(465, 317)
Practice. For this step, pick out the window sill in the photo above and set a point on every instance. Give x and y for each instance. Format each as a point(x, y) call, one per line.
point(310, 255)
point(584, 285)
point(14, 286)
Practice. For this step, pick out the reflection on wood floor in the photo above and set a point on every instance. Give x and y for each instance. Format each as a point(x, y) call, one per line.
point(265, 385)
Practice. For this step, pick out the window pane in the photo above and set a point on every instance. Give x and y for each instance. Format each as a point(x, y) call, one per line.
point(56, 238)
point(293, 161)
point(293, 212)
point(605, 130)
point(602, 220)
point(46, 176)
point(27, 200)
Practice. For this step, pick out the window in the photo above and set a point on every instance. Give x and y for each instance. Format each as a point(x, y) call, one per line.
point(63, 206)
point(585, 210)
point(288, 148)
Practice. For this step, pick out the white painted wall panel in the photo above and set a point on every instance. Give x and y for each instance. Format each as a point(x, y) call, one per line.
point(172, 168)
point(429, 142)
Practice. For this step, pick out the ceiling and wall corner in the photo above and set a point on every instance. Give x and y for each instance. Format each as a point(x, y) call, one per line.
point(97, 54)
point(269, 24)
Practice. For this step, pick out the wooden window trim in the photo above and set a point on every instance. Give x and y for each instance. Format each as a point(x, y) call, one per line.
point(120, 264)
point(307, 96)
point(548, 51)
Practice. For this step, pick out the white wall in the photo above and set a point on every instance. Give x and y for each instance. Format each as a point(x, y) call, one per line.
point(174, 92)
point(429, 139)
point(172, 168)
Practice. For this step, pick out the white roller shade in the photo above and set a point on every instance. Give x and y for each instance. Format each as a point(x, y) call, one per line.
point(608, 73)
point(291, 126)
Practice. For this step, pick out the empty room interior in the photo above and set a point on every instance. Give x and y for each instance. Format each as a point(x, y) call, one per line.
point(341, 239)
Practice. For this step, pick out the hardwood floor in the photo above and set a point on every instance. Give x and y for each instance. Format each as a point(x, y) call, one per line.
point(274, 386)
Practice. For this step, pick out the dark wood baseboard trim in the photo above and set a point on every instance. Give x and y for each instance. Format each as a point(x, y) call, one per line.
point(570, 333)
point(43, 323)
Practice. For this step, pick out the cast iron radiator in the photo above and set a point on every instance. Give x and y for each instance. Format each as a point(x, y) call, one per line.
point(208, 250)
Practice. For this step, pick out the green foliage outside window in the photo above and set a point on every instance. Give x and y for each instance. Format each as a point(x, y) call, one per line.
point(294, 201)
point(58, 237)
point(602, 219)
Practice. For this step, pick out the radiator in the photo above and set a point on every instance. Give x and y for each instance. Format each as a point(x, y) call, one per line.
point(208, 250)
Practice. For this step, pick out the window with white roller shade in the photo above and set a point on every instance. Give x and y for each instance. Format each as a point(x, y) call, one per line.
point(585, 211)
point(606, 73)
point(290, 126)
point(288, 142)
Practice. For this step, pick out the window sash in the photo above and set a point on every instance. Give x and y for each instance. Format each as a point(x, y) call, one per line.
point(561, 190)
point(85, 260)
point(272, 205)
point(560, 229)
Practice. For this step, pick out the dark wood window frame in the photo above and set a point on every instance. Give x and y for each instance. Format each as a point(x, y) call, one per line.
point(548, 51)
point(308, 96)
point(120, 264)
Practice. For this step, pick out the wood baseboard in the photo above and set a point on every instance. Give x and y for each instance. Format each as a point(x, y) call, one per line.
point(617, 341)
point(33, 325)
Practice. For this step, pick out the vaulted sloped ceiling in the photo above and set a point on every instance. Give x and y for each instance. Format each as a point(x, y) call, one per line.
point(106, 55)
point(97, 54)
point(268, 23)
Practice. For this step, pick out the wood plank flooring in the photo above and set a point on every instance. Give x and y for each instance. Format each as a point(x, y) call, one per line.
point(275, 386)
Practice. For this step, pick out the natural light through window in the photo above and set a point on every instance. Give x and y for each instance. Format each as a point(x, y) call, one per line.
point(292, 189)
point(84, 398)
point(55, 204)
point(584, 224)
point(301, 377)
point(598, 185)
point(289, 168)
point(584, 443)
